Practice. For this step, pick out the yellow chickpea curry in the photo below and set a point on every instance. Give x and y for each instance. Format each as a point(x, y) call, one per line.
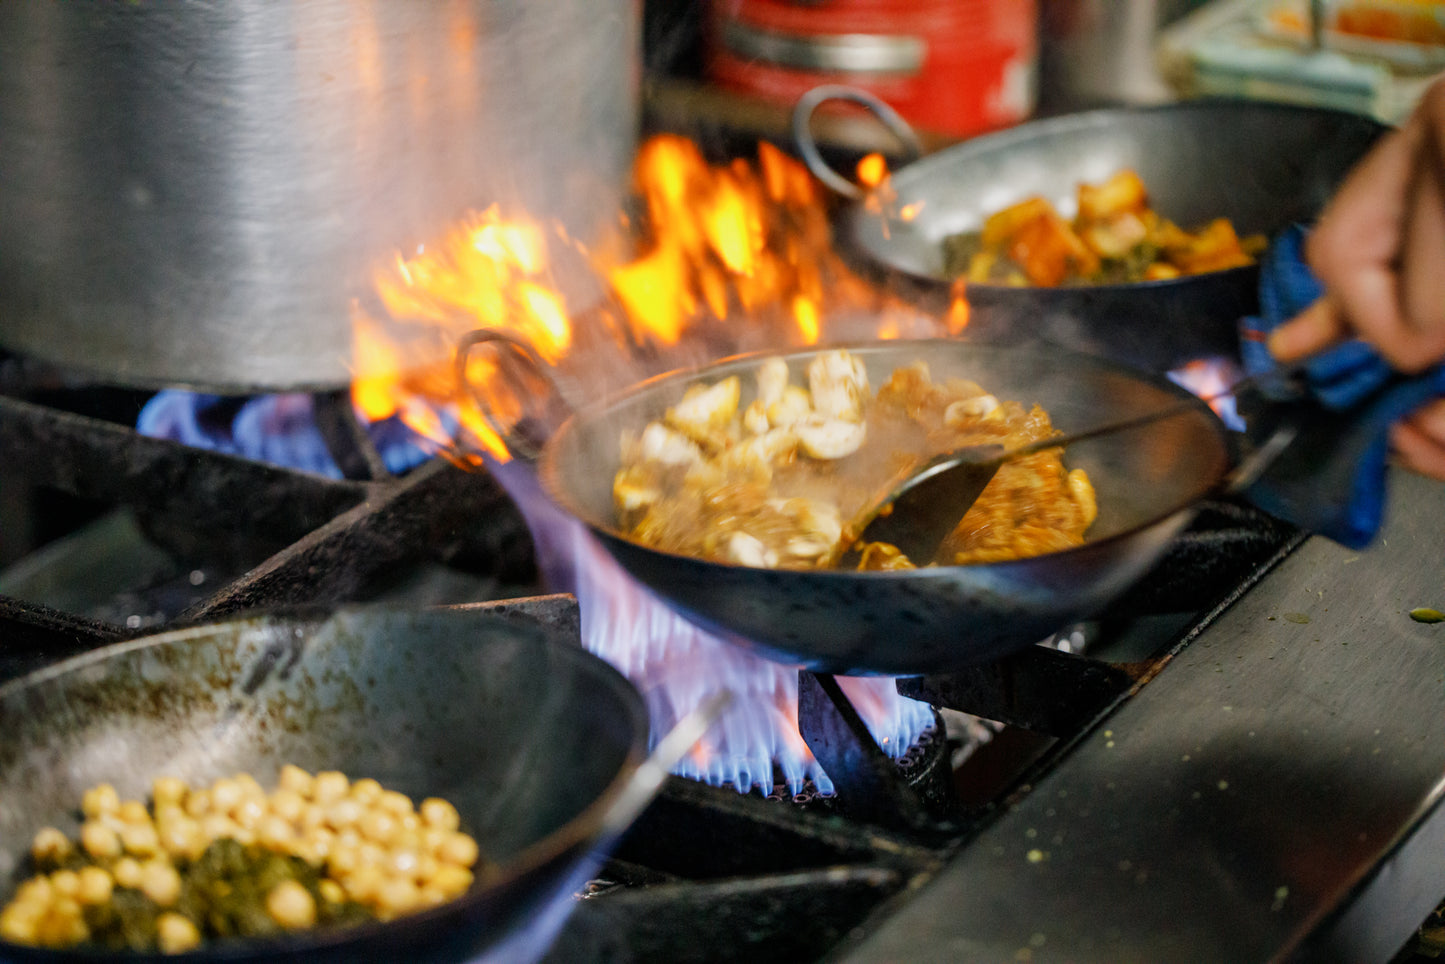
point(1115, 238)
point(781, 482)
point(231, 860)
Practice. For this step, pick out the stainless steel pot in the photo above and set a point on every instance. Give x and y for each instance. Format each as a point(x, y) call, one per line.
point(193, 194)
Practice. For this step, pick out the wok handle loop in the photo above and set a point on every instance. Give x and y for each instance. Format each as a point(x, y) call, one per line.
point(518, 442)
point(808, 147)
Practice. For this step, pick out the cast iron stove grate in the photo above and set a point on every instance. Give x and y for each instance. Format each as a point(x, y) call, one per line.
point(706, 873)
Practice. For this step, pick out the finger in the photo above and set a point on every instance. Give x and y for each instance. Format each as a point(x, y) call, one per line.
point(1361, 223)
point(1318, 327)
point(1422, 287)
point(1354, 249)
point(1419, 441)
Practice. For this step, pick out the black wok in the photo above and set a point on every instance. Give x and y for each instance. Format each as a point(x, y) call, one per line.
point(532, 738)
point(1263, 166)
point(934, 619)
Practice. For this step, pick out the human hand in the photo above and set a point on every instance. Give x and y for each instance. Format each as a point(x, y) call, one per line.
point(1379, 251)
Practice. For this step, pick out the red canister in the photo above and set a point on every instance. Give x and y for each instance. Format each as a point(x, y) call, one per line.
point(951, 67)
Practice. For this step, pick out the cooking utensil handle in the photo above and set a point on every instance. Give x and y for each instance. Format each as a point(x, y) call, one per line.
point(808, 147)
point(518, 443)
point(647, 779)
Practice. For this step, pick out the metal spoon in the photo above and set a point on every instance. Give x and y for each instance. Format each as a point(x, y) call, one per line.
point(920, 510)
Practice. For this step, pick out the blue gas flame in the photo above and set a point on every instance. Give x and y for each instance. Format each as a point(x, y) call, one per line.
point(279, 429)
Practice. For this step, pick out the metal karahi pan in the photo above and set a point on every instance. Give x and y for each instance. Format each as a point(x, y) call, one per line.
point(929, 620)
point(1264, 166)
point(541, 746)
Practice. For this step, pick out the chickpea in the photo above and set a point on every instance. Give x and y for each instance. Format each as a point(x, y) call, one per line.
point(331, 891)
point(99, 799)
point(66, 883)
point(176, 934)
point(369, 854)
point(313, 815)
point(426, 868)
point(62, 926)
point(96, 885)
point(18, 923)
point(459, 849)
point(160, 882)
point(297, 780)
point(276, 832)
point(168, 792)
point(249, 812)
point(429, 895)
point(50, 845)
point(225, 794)
point(436, 812)
point(249, 785)
point(133, 811)
point(410, 840)
point(432, 838)
point(198, 803)
point(396, 896)
point(403, 862)
point(36, 890)
point(99, 840)
point(291, 905)
point(140, 839)
point(343, 813)
point(378, 825)
point(363, 883)
point(366, 790)
point(342, 861)
point(396, 802)
point(168, 813)
point(330, 786)
point(127, 872)
point(451, 880)
point(315, 847)
point(182, 837)
point(216, 826)
point(288, 805)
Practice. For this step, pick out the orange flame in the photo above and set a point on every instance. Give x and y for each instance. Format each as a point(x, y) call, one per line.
point(723, 258)
point(723, 249)
point(958, 310)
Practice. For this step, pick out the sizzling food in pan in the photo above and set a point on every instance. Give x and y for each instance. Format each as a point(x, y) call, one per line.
point(230, 860)
point(776, 481)
point(1115, 238)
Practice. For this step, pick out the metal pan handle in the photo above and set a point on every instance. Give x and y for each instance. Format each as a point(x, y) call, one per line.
point(647, 779)
point(808, 147)
point(520, 442)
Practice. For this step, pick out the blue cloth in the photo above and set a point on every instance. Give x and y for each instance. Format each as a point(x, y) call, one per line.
point(1331, 480)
